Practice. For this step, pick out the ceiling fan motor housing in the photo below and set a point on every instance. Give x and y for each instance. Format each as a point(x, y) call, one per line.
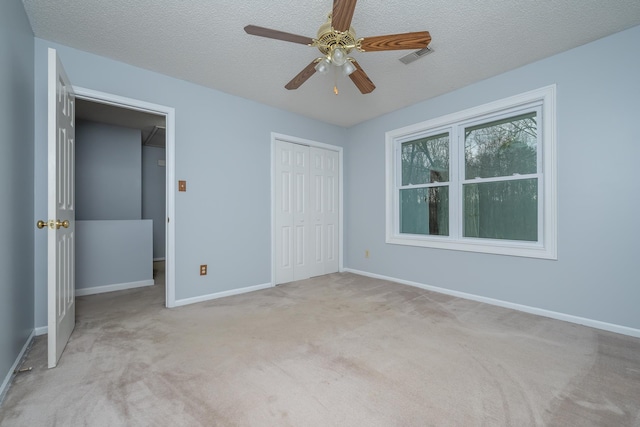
point(329, 39)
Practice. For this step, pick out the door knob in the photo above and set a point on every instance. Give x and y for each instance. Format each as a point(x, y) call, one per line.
point(53, 224)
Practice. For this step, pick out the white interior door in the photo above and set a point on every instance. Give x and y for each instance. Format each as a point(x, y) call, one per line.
point(324, 198)
point(61, 209)
point(307, 211)
point(292, 211)
point(318, 205)
point(332, 212)
point(300, 212)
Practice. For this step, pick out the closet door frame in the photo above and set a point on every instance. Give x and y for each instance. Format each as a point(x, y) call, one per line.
point(295, 140)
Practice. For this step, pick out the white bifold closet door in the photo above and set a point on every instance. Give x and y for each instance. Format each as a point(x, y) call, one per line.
point(307, 211)
point(324, 204)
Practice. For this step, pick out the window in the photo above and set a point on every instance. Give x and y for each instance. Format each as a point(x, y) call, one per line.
point(480, 180)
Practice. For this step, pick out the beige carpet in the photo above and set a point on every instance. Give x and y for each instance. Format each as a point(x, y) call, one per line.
point(337, 350)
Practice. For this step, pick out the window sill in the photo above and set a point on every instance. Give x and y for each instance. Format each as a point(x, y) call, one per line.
point(495, 247)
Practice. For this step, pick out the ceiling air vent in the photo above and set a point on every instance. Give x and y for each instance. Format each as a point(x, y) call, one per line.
point(407, 59)
point(154, 137)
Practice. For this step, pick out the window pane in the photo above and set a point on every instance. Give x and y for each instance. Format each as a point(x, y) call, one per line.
point(502, 148)
point(502, 210)
point(426, 160)
point(425, 211)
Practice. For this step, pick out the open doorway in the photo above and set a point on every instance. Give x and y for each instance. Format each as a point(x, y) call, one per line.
point(125, 147)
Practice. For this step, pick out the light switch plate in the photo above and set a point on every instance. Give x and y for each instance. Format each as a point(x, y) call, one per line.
point(182, 185)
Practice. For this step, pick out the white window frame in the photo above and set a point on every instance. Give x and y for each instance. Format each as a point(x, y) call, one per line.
point(542, 100)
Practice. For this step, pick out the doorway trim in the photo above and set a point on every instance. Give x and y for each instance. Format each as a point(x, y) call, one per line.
point(310, 143)
point(170, 119)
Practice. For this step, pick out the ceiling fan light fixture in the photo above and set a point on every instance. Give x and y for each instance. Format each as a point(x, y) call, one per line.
point(348, 68)
point(323, 66)
point(338, 56)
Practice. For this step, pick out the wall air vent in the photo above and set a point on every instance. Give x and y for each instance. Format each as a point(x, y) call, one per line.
point(407, 59)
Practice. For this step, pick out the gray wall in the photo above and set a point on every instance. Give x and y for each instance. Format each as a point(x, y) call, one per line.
point(113, 253)
point(108, 172)
point(222, 151)
point(16, 183)
point(596, 275)
point(153, 195)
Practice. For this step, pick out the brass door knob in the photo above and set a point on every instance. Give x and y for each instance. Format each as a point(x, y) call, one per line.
point(51, 224)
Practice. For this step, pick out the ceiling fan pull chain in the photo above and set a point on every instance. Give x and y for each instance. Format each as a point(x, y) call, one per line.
point(335, 80)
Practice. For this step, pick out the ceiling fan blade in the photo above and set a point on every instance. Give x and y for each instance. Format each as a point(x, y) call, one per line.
point(302, 76)
point(417, 40)
point(361, 80)
point(342, 14)
point(254, 30)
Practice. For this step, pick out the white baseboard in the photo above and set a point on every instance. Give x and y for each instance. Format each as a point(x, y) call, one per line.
point(42, 330)
point(624, 330)
point(114, 287)
point(7, 379)
point(187, 301)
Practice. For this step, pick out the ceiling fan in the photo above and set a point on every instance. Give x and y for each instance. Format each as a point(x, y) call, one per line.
point(336, 39)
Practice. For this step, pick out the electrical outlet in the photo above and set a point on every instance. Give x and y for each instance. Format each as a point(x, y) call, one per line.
point(366, 253)
point(203, 270)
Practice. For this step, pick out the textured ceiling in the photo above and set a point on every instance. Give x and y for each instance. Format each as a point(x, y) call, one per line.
point(203, 42)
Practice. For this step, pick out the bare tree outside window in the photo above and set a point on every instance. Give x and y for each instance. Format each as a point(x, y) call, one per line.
point(508, 208)
point(479, 180)
point(425, 168)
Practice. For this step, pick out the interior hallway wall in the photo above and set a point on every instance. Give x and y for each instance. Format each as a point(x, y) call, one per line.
point(16, 183)
point(108, 172)
point(154, 195)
